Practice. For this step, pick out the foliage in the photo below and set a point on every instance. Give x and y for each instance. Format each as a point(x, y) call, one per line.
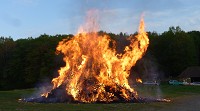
point(174, 49)
point(25, 62)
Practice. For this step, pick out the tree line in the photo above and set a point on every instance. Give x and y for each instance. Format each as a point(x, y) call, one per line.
point(26, 62)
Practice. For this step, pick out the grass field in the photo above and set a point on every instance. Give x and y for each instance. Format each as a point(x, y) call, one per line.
point(184, 98)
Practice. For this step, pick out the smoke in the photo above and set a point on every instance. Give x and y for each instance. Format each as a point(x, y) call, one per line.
point(92, 22)
point(148, 69)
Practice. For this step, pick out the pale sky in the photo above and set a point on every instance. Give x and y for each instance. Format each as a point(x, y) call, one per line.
point(31, 18)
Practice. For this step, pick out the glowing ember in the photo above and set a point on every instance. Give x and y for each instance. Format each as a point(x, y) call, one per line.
point(94, 71)
point(139, 80)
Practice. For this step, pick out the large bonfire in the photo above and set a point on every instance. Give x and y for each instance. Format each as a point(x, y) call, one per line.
point(94, 71)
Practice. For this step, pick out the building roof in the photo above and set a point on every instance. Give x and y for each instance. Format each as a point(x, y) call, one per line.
point(190, 72)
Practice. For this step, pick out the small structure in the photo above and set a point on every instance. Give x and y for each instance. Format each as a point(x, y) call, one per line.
point(191, 74)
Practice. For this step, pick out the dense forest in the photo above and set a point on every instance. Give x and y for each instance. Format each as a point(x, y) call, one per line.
point(26, 62)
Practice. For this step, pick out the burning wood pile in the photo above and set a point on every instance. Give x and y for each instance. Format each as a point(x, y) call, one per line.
point(94, 72)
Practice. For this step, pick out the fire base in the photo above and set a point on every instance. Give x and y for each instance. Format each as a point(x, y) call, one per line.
point(59, 95)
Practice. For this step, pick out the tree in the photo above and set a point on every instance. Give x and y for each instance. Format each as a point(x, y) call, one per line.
point(175, 51)
point(196, 37)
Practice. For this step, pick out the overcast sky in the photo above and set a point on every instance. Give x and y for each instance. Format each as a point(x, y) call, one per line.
point(26, 18)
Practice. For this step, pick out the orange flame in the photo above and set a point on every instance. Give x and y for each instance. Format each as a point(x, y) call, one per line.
point(139, 80)
point(92, 66)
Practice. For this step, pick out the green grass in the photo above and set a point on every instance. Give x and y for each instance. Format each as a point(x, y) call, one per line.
point(9, 100)
point(168, 91)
